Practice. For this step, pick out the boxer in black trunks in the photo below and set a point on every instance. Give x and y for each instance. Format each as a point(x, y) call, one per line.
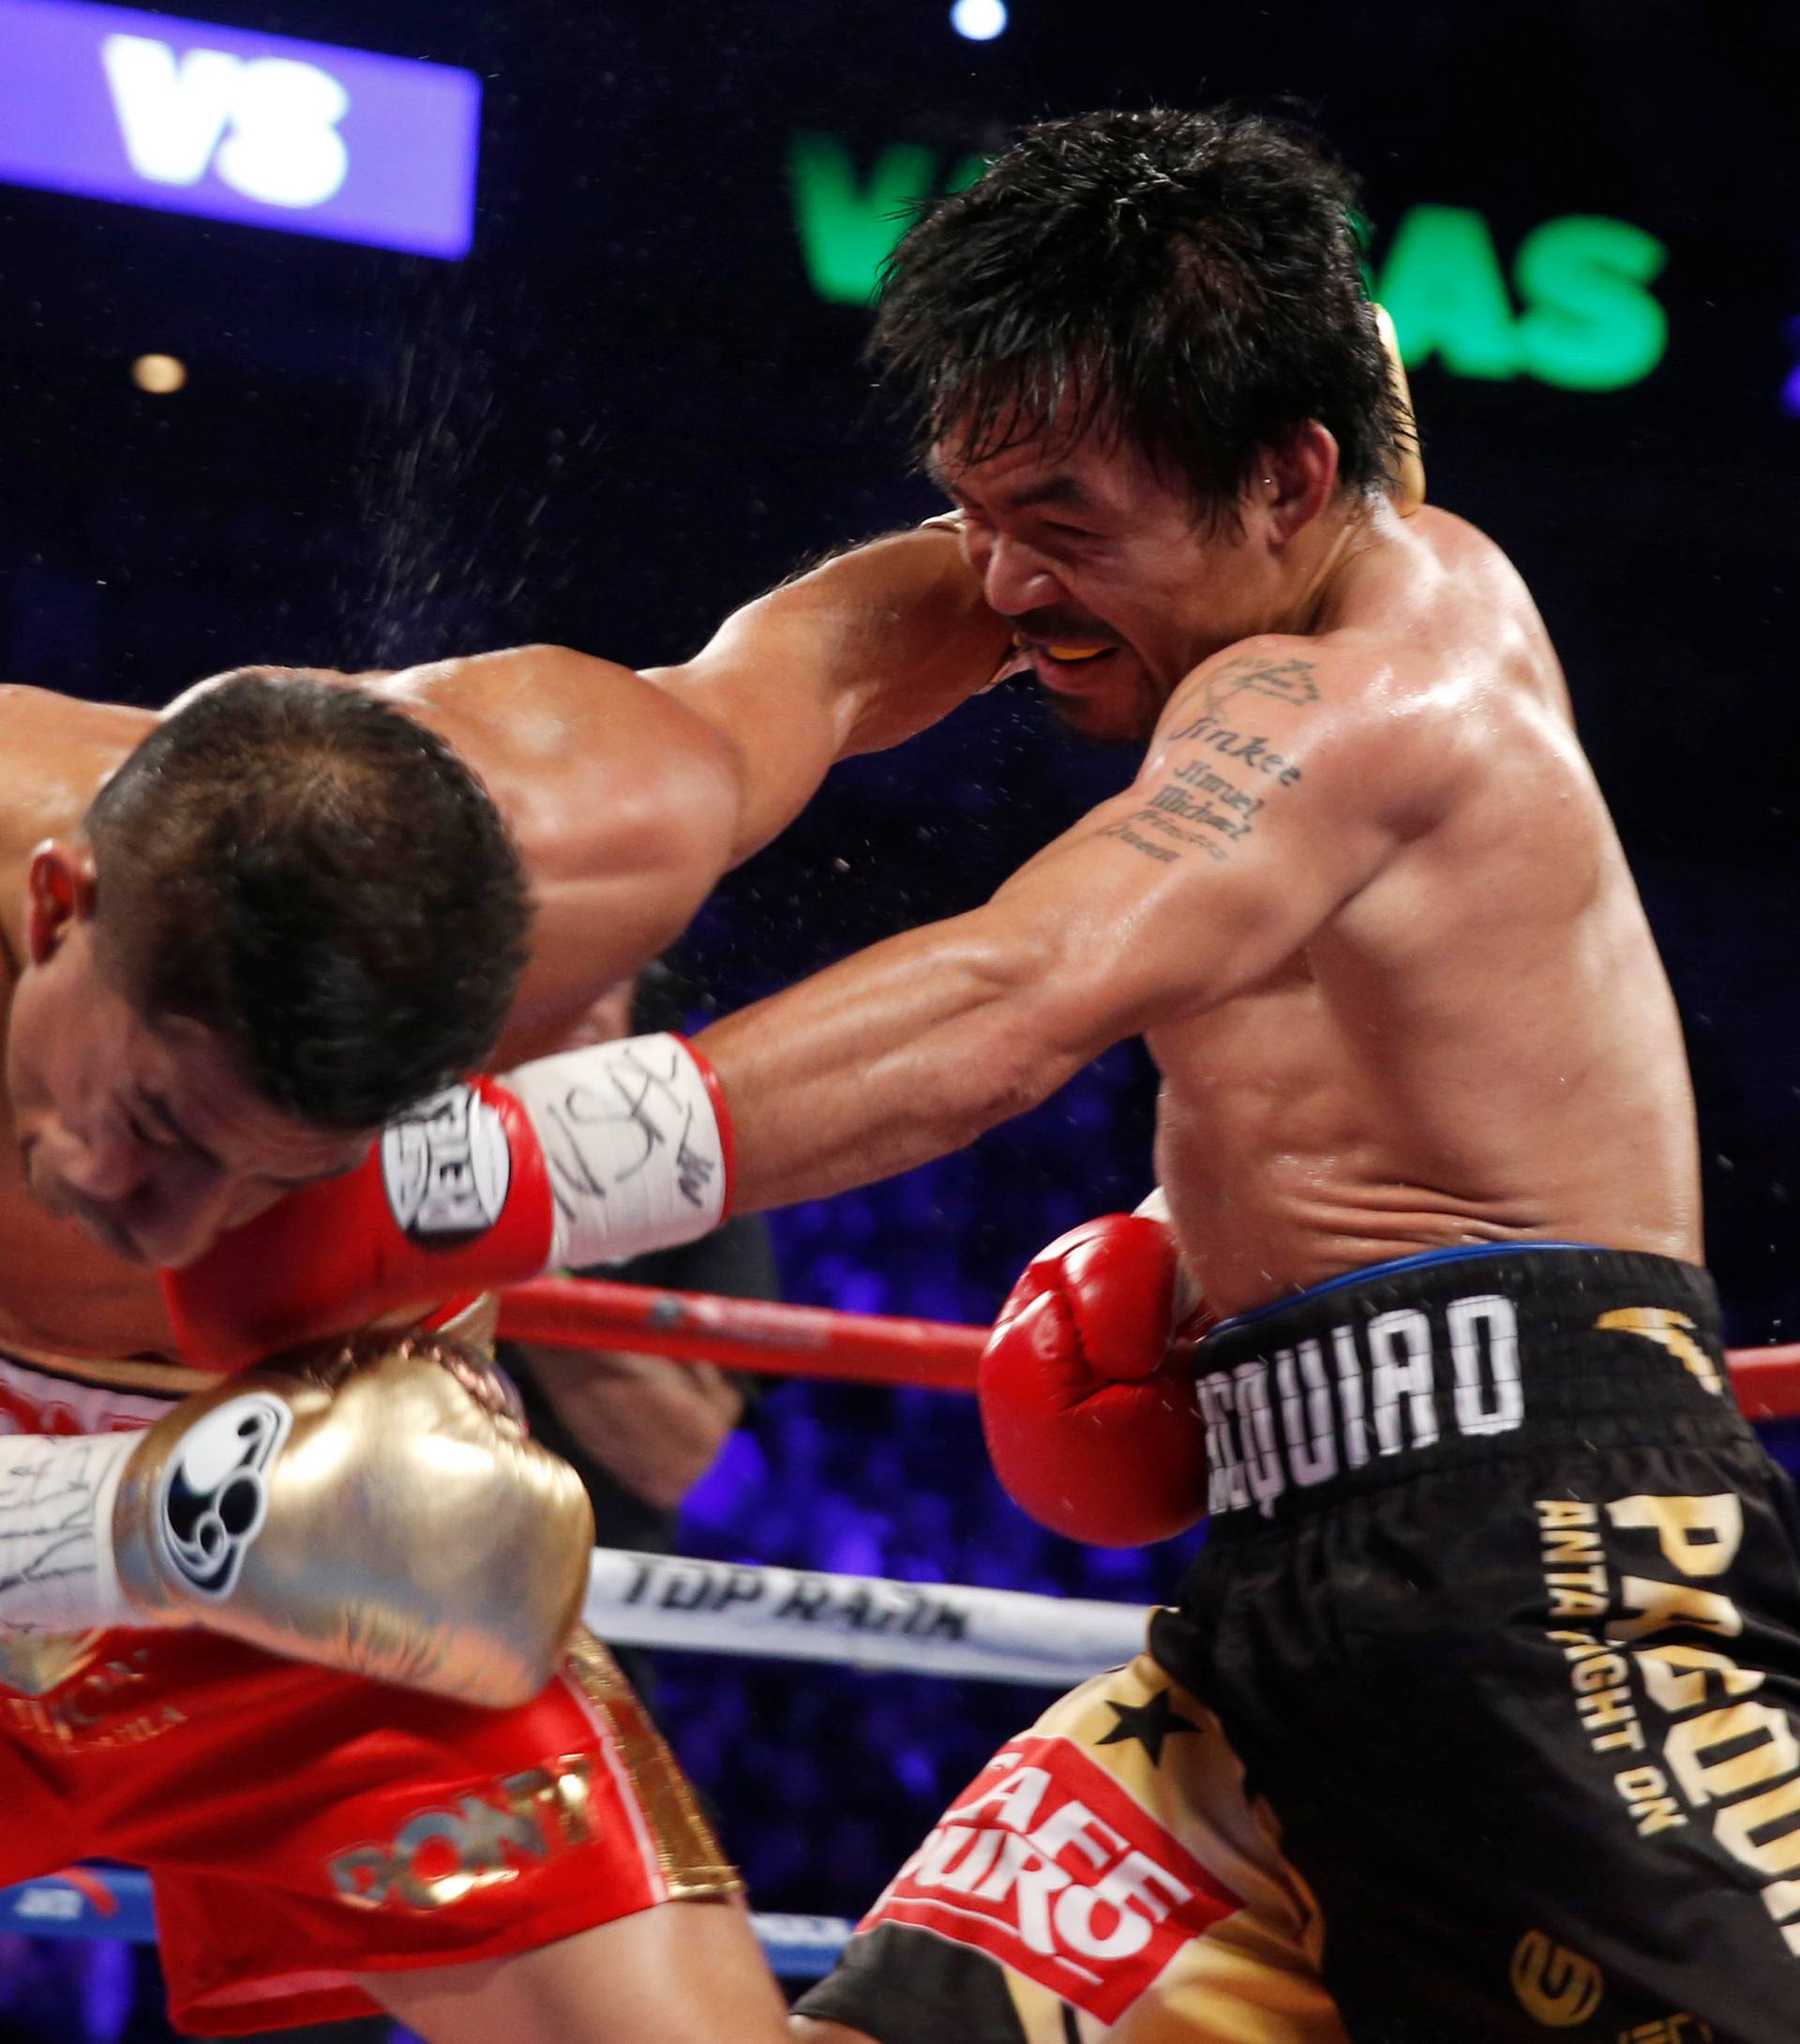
point(1475, 1719)
point(1501, 1612)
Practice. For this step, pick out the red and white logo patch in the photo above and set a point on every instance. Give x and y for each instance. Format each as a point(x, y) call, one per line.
point(1045, 1863)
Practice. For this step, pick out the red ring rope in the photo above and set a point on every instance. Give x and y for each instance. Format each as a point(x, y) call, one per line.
point(870, 1349)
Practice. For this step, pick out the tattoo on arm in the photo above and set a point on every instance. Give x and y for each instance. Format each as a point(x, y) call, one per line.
point(1211, 799)
point(1282, 681)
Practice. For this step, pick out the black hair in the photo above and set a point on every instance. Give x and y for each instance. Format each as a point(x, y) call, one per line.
point(322, 880)
point(1187, 284)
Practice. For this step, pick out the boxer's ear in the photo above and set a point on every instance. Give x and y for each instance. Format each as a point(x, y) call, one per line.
point(59, 894)
point(1302, 475)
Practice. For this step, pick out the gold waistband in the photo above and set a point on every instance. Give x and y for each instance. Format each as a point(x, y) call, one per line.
point(146, 1373)
point(158, 1378)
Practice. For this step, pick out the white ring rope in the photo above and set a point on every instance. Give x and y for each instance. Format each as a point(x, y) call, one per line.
point(863, 1622)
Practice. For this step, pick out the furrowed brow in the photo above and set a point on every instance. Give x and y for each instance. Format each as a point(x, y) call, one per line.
point(1062, 492)
point(1056, 492)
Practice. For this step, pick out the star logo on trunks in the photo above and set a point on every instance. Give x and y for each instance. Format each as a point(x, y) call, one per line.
point(1149, 1724)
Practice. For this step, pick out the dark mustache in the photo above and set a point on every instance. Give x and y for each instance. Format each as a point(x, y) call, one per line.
point(1057, 625)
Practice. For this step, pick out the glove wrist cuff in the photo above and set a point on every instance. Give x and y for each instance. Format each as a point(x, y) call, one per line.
point(636, 1146)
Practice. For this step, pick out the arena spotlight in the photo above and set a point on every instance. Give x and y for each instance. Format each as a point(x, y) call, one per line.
point(979, 20)
point(159, 374)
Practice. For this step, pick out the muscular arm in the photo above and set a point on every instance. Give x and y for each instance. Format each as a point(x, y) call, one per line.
point(630, 794)
point(1278, 785)
point(620, 801)
point(853, 657)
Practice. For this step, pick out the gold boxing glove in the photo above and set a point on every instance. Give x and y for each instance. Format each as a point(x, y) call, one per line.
point(372, 1504)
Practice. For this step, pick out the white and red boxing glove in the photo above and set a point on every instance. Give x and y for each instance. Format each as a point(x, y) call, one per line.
point(587, 1157)
point(1087, 1393)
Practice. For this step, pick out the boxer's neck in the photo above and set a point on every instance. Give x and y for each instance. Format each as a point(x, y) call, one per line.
point(1327, 563)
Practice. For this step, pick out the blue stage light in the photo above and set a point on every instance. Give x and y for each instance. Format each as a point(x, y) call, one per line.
point(980, 21)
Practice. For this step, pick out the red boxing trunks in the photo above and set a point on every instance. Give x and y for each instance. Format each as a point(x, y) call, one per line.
point(1475, 1720)
point(301, 1827)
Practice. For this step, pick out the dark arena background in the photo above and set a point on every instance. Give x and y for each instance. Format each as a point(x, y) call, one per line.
point(581, 364)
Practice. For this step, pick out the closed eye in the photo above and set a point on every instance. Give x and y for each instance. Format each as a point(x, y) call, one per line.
point(150, 1138)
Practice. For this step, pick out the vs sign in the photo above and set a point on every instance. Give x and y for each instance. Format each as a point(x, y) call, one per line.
point(186, 117)
point(267, 125)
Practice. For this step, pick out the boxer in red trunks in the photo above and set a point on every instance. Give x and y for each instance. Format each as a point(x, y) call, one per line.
point(234, 941)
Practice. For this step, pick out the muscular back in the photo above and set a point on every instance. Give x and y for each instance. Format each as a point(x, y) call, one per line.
point(620, 806)
point(628, 795)
point(1478, 1043)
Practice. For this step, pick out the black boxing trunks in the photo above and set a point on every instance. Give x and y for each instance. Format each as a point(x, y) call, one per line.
point(1478, 1717)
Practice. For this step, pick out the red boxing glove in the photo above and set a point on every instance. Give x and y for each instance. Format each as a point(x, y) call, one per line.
point(589, 1156)
point(454, 1198)
point(1089, 1415)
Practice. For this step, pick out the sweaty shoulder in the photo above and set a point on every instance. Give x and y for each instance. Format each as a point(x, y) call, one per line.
point(1431, 657)
point(55, 751)
point(1439, 588)
point(1351, 727)
point(620, 799)
point(587, 759)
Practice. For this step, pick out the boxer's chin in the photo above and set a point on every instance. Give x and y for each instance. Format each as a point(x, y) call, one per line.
point(1121, 716)
point(46, 1189)
point(101, 1229)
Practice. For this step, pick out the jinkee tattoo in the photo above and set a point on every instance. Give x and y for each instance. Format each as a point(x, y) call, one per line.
point(1200, 805)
